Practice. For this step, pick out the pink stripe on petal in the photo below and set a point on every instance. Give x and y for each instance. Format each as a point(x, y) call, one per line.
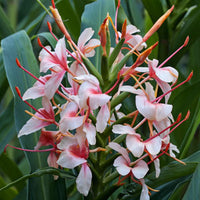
point(53, 83)
point(33, 125)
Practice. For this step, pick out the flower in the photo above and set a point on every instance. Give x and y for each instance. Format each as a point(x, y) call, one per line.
point(75, 152)
point(42, 118)
point(122, 163)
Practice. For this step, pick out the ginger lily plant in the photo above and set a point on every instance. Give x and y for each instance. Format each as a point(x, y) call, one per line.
point(88, 131)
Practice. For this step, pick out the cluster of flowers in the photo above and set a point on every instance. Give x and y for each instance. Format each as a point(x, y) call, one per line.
point(89, 110)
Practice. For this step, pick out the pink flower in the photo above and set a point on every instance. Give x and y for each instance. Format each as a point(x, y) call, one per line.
point(163, 76)
point(134, 141)
point(69, 118)
point(151, 111)
point(38, 89)
point(122, 163)
point(75, 153)
point(133, 40)
point(91, 98)
point(42, 118)
point(54, 59)
point(87, 48)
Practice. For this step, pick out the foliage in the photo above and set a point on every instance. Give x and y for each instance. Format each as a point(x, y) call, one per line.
point(23, 21)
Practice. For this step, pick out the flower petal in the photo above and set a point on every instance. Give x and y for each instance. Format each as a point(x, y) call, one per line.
point(122, 166)
point(120, 149)
point(102, 118)
point(90, 131)
point(122, 129)
point(152, 111)
point(70, 123)
point(145, 192)
point(140, 169)
point(135, 145)
point(69, 160)
point(84, 179)
point(84, 37)
point(154, 145)
point(33, 125)
point(53, 83)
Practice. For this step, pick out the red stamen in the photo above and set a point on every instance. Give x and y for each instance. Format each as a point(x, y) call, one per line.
point(20, 66)
point(186, 117)
point(50, 30)
point(41, 45)
point(158, 99)
point(177, 121)
point(112, 87)
point(28, 150)
point(19, 93)
point(166, 149)
point(185, 44)
point(53, 4)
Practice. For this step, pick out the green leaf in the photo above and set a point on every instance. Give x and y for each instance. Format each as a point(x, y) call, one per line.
point(7, 194)
point(3, 79)
point(19, 46)
point(7, 126)
point(193, 191)
point(5, 27)
point(49, 38)
point(93, 16)
point(183, 135)
point(10, 168)
point(186, 27)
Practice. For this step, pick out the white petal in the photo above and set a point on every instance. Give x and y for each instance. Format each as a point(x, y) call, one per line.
point(102, 118)
point(98, 100)
point(84, 37)
point(70, 123)
point(61, 50)
point(130, 89)
point(151, 111)
point(120, 149)
point(134, 144)
point(33, 125)
point(34, 92)
point(140, 169)
point(90, 131)
point(123, 129)
point(172, 148)
point(121, 166)
point(89, 78)
point(69, 160)
point(132, 29)
point(154, 145)
point(53, 83)
point(47, 106)
point(84, 179)
point(167, 74)
point(157, 167)
point(145, 192)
